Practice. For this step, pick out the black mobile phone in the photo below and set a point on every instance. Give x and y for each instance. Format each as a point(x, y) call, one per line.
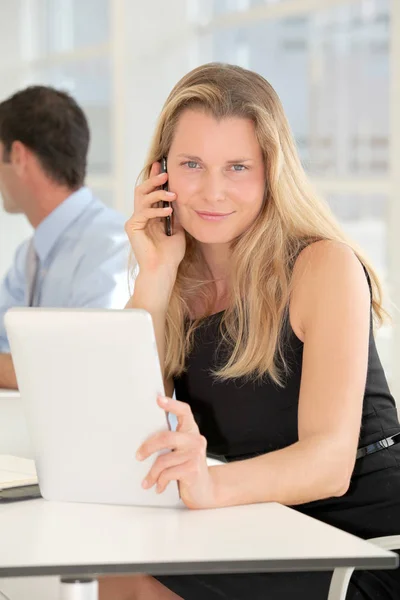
point(21, 492)
point(168, 219)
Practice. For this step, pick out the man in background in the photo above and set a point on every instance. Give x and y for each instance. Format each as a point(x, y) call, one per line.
point(78, 254)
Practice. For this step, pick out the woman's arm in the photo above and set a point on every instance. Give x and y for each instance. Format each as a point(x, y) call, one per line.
point(331, 307)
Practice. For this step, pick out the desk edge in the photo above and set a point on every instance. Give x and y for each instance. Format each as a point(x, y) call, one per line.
point(391, 561)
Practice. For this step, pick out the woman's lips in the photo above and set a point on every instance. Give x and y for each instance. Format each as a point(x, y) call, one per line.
point(212, 216)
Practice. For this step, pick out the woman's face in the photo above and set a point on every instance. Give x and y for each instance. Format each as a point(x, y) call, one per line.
point(216, 168)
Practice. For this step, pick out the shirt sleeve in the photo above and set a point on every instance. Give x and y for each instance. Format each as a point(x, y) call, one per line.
point(12, 292)
point(103, 282)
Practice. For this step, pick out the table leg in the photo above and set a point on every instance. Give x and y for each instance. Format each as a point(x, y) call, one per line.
point(79, 589)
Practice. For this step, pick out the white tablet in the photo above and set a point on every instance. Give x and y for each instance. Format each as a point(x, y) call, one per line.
point(89, 381)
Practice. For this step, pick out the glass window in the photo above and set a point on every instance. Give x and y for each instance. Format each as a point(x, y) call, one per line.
point(54, 26)
point(278, 50)
point(349, 91)
point(221, 7)
point(364, 220)
point(331, 71)
point(89, 82)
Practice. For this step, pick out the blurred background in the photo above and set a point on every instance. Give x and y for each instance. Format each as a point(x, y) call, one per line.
point(334, 63)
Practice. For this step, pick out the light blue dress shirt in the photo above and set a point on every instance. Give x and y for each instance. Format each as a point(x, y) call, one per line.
point(83, 254)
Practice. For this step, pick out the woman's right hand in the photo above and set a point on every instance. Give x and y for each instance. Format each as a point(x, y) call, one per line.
point(152, 248)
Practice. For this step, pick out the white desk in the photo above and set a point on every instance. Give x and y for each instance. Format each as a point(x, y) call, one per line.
point(78, 540)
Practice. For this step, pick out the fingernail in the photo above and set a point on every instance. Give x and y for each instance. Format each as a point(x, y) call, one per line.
point(145, 484)
point(170, 194)
point(163, 400)
point(158, 489)
point(139, 455)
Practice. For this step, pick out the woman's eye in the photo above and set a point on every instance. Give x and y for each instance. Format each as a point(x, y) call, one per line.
point(192, 164)
point(238, 167)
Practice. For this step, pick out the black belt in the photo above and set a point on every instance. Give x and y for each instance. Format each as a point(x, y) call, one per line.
point(377, 446)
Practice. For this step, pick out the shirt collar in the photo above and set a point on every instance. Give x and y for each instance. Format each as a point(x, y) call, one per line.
point(53, 226)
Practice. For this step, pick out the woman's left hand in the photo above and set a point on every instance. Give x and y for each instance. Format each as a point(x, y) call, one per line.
point(186, 464)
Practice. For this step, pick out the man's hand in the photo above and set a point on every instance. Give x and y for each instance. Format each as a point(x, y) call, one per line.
point(8, 378)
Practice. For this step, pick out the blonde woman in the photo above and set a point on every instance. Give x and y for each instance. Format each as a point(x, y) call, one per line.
point(263, 315)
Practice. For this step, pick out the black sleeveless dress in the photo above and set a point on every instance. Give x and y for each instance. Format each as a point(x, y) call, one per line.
point(242, 419)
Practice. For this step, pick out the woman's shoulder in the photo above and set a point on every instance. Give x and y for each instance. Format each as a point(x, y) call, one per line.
point(324, 253)
point(325, 260)
point(325, 272)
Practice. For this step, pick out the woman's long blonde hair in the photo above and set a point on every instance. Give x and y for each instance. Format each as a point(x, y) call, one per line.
point(292, 216)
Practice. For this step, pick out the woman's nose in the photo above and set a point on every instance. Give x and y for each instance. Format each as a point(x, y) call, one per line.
point(214, 187)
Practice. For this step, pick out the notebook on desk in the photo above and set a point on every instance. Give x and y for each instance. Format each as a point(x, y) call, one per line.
point(16, 472)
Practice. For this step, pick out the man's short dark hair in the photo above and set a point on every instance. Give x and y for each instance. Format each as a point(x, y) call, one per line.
point(53, 126)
